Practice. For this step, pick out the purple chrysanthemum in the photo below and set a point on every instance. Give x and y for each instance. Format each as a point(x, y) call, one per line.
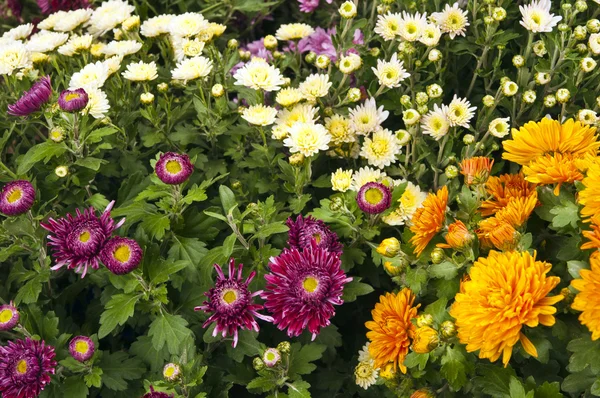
point(308, 5)
point(16, 197)
point(76, 241)
point(230, 302)
point(156, 394)
point(121, 255)
point(73, 100)
point(25, 368)
point(173, 168)
point(52, 6)
point(304, 230)
point(33, 99)
point(9, 316)
point(320, 43)
point(82, 348)
point(303, 287)
point(374, 198)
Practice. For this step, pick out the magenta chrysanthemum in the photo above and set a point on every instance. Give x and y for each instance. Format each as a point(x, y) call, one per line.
point(121, 255)
point(173, 168)
point(16, 197)
point(25, 368)
point(305, 230)
point(33, 99)
point(271, 357)
point(303, 287)
point(73, 100)
point(374, 198)
point(230, 302)
point(9, 316)
point(82, 348)
point(156, 394)
point(76, 241)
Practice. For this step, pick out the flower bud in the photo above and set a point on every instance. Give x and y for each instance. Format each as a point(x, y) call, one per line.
point(296, 159)
point(468, 139)
point(518, 61)
point(162, 87)
point(38, 58)
point(406, 101)
point(232, 44)
point(403, 137)
point(131, 23)
point(258, 364)
point(495, 147)
point(347, 10)
point(539, 48)
point(387, 372)
point(311, 57)
point(424, 320)
point(421, 98)
point(499, 14)
point(217, 90)
point(147, 98)
point(171, 371)
point(593, 26)
point(488, 101)
point(549, 101)
point(284, 347)
point(336, 204)
point(278, 55)
point(509, 88)
point(411, 116)
point(406, 48)
point(271, 357)
point(375, 51)
point(563, 27)
point(425, 340)
point(451, 172)
point(501, 47)
point(322, 61)
point(382, 9)
point(567, 294)
point(542, 78)
point(587, 64)
point(270, 42)
point(422, 109)
point(434, 55)
point(581, 48)
point(61, 171)
point(393, 268)
point(580, 33)
point(244, 55)
point(488, 20)
point(598, 101)
point(57, 134)
point(447, 329)
point(434, 91)
point(418, 63)
point(423, 393)
point(529, 97)
point(563, 95)
point(581, 6)
point(389, 247)
point(437, 255)
point(287, 81)
point(353, 94)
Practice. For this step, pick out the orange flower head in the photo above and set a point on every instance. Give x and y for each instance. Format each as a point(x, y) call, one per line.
point(476, 170)
point(516, 213)
point(588, 300)
point(422, 393)
point(593, 235)
point(589, 198)
point(553, 169)
point(507, 290)
point(426, 339)
point(458, 236)
point(391, 329)
point(428, 220)
point(504, 237)
point(502, 189)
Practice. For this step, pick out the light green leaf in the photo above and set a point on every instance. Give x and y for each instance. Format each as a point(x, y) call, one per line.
point(90, 163)
point(302, 358)
point(170, 330)
point(445, 269)
point(40, 152)
point(271, 229)
point(94, 379)
point(156, 225)
point(98, 134)
point(74, 387)
point(116, 312)
point(298, 389)
point(117, 368)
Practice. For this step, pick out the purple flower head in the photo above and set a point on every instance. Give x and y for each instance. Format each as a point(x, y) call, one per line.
point(82, 348)
point(374, 198)
point(173, 168)
point(32, 100)
point(121, 255)
point(73, 100)
point(230, 302)
point(358, 38)
point(9, 316)
point(320, 43)
point(51, 6)
point(76, 241)
point(305, 230)
point(303, 287)
point(25, 368)
point(308, 5)
point(16, 197)
point(257, 49)
point(156, 394)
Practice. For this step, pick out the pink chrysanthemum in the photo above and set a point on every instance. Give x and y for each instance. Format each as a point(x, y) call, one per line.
point(303, 287)
point(25, 368)
point(230, 303)
point(374, 198)
point(82, 348)
point(173, 168)
point(121, 255)
point(9, 316)
point(304, 230)
point(156, 394)
point(73, 100)
point(76, 241)
point(16, 197)
point(32, 100)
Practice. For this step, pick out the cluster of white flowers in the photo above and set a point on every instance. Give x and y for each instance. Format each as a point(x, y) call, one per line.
point(438, 121)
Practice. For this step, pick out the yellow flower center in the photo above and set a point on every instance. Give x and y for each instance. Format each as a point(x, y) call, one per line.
point(173, 166)
point(411, 29)
point(169, 371)
point(270, 356)
point(71, 96)
point(379, 147)
point(362, 370)
point(317, 237)
point(21, 367)
point(82, 347)
point(14, 195)
point(373, 196)
point(84, 236)
point(229, 296)
point(310, 284)
point(536, 18)
point(122, 253)
point(5, 315)
point(393, 26)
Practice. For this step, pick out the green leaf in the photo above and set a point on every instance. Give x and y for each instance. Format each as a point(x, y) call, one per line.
point(116, 312)
point(585, 353)
point(262, 384)
point(567, 213)
point(170, 330)
point(98, 134)
point(577, 383)
point(415, 279)
point(355, 288)
point(144, 349)
point(437, 309)
point(117, 368)
point(227, 198)
point(195, 194)
point(454, 367)
point(247, 346)
point(493, 380)
point(30, 291)
point(156, 225)
point(74, 387)
point(73, 365)
point(271, 229)
point(413, 360)
point(90, 163)
point(94, 379)
point(548, 390)
point(574, 267)
point(190, 250)
point(445, 269)
point(302, 358)
point(298, 389)
point(516, 389)
point(161, 270)
point(41, 152)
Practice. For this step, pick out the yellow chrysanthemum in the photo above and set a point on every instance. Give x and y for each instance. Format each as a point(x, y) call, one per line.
point(502, 190)
point(552, 169)
point(593, 235)
point(589, 198)
point(391, 329)
point(588, 300)
point(429, 219)
point(505, 291)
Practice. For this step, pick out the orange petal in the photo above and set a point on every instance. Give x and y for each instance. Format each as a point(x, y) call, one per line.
point(528, 345)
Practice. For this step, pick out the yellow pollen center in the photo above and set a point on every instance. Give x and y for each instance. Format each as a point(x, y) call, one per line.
point(317, 237)
point(373, 196)
point(14, 195)
point(173, 166)
point(270, 356)
point(169, 371)
point(536, 18)
point(412, 29)
point(229, 296)
point(22, 367)
point(122, 253)
point(82, 347)
point(71, 96)
point(363, 371)
point(84, 236)
point(310, 284)
point(5, 315)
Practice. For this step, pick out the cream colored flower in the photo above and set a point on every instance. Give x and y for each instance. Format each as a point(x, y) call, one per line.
point(76, 45)
point(110, 14)
point(594, 43)
point(341, 180)
point(435, 123)
point(391, 73)
point(315, 86)
point(187, 24)
point(452, 20)
point(186, 47)
point(431, 35)
point(98, 105)
point(50, 21)
point(366, 374)
point(141, 71)
point(380, 150)
point(340, 128)
point(288, 96)
point(411, 199)
point(69, 20)
point(92, 75)
point(364, 175)
point(367, 118)
point(121, 48)
point(587, 117)
point(286, 118)
point(14, 56)
point(260, 115)
point(293, 31)
point(499, 127)
point(20, 32)
point(192, 68)
point(156, 26)
point(113, 64)
point(259, 75)
point(411, 26)
point(388, 26)
point(537, 16)
point(45, 41)
point(460, 112)
point(350, 63)
point(307, 138)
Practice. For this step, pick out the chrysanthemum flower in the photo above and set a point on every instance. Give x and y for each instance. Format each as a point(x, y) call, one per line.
point(391, 329)
point(431, 34)
point(156, 394)
point(537, 17)
point(293, 31)
point(515, 213)
point(121, 255)
point(171, 371)
point(303, 287)
point(92, 75)
point(589, 197)
point(315, 86)
point(98, 105)
point(9, 316)
point(14, 56)
point(173, 168)
point(307, 138)
point(374, 198)
point(476, 170)
point(505, 291)
point(76, 241)
point(458, 236)
point(141, 71)
point(340, 128)
point(593, 235)
point(271, 357)
point(499, 127)
point(20, 32)
point(192, 68)
point(503, 236)
point(70, 20)
point(452, 20)
point(45, 41)
point(425, 340)
point(230, 303)
point(82, 348)
point(260, 115)
point(502, 190)
point(156, 26)
point(411, 199)
point(341, 180)
point(388, 25)
point(435, 123)
point(288, 96)
point(367, 118)
point(411, 26)
point(187, 24)
point(365, 374)
point(108, 15)
point(305, 230)
point(429, 219)
point(552, 169)
point(390, 73)
point(423, 393)
point(460, 112)
point(587, 300)
point(365, 175)
point(73, 100)
point(16, 197)
point(32, 100)
point(76, 45)
point(259, 75)
point(381, 149)
point(25, 368)
point(286, 118)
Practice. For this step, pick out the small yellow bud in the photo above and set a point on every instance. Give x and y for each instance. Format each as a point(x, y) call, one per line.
point(131, 23)
point(347, 10)
point(232, 44)
point(162, 87)
point(426, 340)
point(38, 58)
point(57, 134)
point(353, 94)
point(389, 247)
point(147, 98)
point(424, 320)
point(437, 255)
point(447, 329)
point(270, 42)
point(217, 90)
point(296, 159)
point(61, 171)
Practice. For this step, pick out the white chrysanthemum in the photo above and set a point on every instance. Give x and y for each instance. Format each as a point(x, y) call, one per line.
point(431, 35)
point(587, 117)
point(186, 47)
point(69, 20)
point(452, 20)
point(141, 71)
point(435, 123)
point(537, 16)
point(350, 63)
point(293, 31)
point(259, 75)
point(98, 105)
point(260, 115)
point(380, 150)
point(110, 14)
point(45, 41)
point(113, 64)
point(341, 180)
point(20, 32)
point(121, 48)
point(91, 76)
point(411, 199)
point(188, 24)
point(499, 127)
point(364, 175)
point(315, 86)
point(76, 45)
point(288, 96)
point(307, 138)
point(391, 73)
point(14, 56)
point(286, 118)
point(594, 43)
point(460, 112)
point(366, 374)
point(363, 354)
point(388, 25)
point(411, 26)
point(192, 68)
point(50, 21)
point(156, 26)
point(367, 118)
point(340, 128)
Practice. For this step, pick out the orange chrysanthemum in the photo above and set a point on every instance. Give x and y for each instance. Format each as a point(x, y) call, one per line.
point(422, 393)
point(589, 198)
point(588, 300)
point(553, 169)
point(428, 220)
point(476, 170)
point(593, 235)
point(504, 237)
point(506, 291)
point(515, 213)
point(502, 189)
point(458, 236)
point(391, 329)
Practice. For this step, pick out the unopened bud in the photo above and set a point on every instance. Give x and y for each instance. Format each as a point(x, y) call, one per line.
point(437, 255)
point(447, 329)
point(353, 94)
point(311, 57)
point(424, 320)
point(580, 33)
point(451, 172)
point(488, 101)
point(389, 247)
point(217, 90)
point(563, 95)
point(232, 44)
point(468, 139)
point(270, 42)
point(549, 101)
point(258, 364)
point(425, 340)
point(296, 159)
point(61, 171)
point(162, 87)
point(284, 347)
point(434, 55)
point(147, 98)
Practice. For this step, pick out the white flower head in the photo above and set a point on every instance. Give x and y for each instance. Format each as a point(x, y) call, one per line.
point(460, 112)
point(364, 175)
point(411, 199)
point(587, 117)
point(537, 17)
point(594, 43)
point(45, 41)
point(110, 14)
point(388, 25)
point(367, 118)
point(341, 180)
point(499, 127)
point(259, 75)
point(390, 73)
point(340, 128)
point(293, 31)
point(435, 123)
point(260, 115)
point(186, 47)
point(411, 26)
point(315, 86)
point(366, 374)
point(156, 26)
point(14, 56)
point(187, 24)
point(350, 63)
point(286, 118)
point(380, 150)
point(20, 32)
point(113, 64)
point(452, 20)
point(121, 48)
point(92, 75)
point(69, 20)
point(289, 96)
point(76, 45)
point(141, 71)
point(363, 354)
point(192, 68)
point(431, 35)
point(97, 105)
point(307, 138)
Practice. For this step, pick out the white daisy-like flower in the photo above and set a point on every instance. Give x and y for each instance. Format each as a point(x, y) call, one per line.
point(121, 48)
point(97, 105)
point(110, 14)
point(594, 43)
point(452, 20)
point(50, 21)
point(69, 20)
point(341, 180)
point(390, 73)
point(499, 127)
point(307, 138)
point(367, 118)
point(388, 25)
point(288, 96)
point(366, 374)
point(75, 45)
point(380, 150)
point(260, 115)
point(350, 63)
point(363, 354)
point(315, 86)
point(259, 75)
point(45, 41)
point(411, 26)
point(113, 64)
point(340, 128)
point(286, 118)
point(186, 47)
point(14, 56)
point(141, 71)
point(587, 117)
point(431, 35)
point(192, 68)
point(537, 16)
point(187, 24)
point(293, 31)
point(460, 112)
point(92, 76)
point(364, 175)
point(156, 26)
point(435, 123)
point(20, 32)
point(411, 199)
